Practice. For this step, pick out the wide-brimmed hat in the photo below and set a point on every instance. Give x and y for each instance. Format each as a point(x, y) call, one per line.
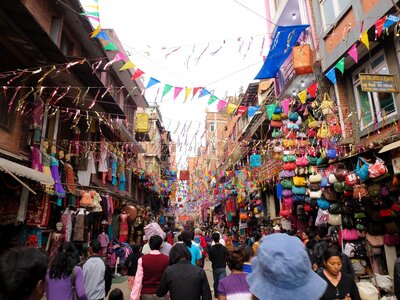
point(153, 229)
point(282, 270)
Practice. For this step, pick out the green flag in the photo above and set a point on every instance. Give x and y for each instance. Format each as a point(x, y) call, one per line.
point(270, 110)
point(340, 65)
point(212, 100)
point(167, 88)
point(110, 47)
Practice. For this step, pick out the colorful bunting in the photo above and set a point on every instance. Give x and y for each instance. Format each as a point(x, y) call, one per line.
point(241, 110)
point(271, 108)
point(177, 90)
point(331, 75)
point(127, 65)
point(302, 96)
point(195, 90)
point(96, 31)
point(364, 39)
point(353, 53)
point(221, 104)
point(119, 56)
point(212, 99)
point(152, 81)
point(102, 35)
point(231, 108)
point(390, 20)
point(252, 111)
point(110, 47)
point(137, 74)
point(285, 105)
point(312, 89)
point(167, 88)
point(204, 92)
point(379, 27)
point(188, 91)
point(340, 65)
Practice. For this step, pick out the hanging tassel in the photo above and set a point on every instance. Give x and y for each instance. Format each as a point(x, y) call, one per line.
point(95, 99)
point(62, 96)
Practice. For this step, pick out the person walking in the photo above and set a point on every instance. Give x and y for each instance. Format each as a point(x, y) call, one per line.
point(183, 280)
point(340, 284)
point(96, 274)
point(131, 264)
point(217, 256)
point(176, 236)
point(149, 271)
point(155, 229)
point(23, 274)
point(234, 286)
point(282, 270)
point(64, 280)
point(202, 244)
point(194, 250)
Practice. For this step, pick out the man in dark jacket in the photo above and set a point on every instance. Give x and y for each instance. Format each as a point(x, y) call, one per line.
point(183, 280)
point(217, 257)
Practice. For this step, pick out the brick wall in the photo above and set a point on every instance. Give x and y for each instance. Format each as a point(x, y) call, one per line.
point(10, 140)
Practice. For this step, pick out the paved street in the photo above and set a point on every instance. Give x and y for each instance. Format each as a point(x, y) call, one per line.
point(124, 285)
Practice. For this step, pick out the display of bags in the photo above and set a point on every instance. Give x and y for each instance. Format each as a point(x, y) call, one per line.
point(374, 240)
point(323, 204)
point(302, 161)
point(339, 187)
point(299, 181)
point(329, 194)
point(391, 239)
point(377, 169)
point(351, 179)
point(276, 133)
point(289, 158)
point(322, 217)
point(362, 169)
point(293, 116)
point(299, 190)
point(287, 193)
point(332, 178)
point(327, 105)
point(360, 191)
point(314, 186)
point(315, 178)
point(335, 219)
point(289, 166)
point(335, 208)
point(315, 194)
point(287, 183)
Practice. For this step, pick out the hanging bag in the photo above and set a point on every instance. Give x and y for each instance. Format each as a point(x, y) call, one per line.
point(377, 169)
point(302, 59)
point(362, 169)
point(327, 105)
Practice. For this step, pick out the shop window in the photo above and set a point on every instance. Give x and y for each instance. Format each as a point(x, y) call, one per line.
point(212, 126)
point(373, 107)
point(331, 10)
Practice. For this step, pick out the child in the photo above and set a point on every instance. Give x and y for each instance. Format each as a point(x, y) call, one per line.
point(116, 294)
point(131, 264)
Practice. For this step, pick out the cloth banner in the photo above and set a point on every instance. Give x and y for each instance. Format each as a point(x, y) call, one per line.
point(255, 160)
point(252, 111)
point(281, 47)
point(270, 110)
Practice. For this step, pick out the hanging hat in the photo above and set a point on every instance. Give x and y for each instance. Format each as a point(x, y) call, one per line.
point(282, 270)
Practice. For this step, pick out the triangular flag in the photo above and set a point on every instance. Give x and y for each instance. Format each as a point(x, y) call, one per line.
point(285, 105)
point(137, 74)
point(353, 53)
point(110, 47)
point(270, 110)
point(312, 90)
point(231, 108)
point(340, 65)
point(252, 111)
point(390, 20)
point(167, 88)
point(212, 99)
point(188, 91)
point(302, 96)
point(127, 65)
point(152, 81)
point(102, 35)
point(92, 13)
point(195, 90)
point(331, 75)
point(177, 90)
point(221, 104)
point(364, 39)
point(379, 27)
point(119, 56)
point(96, 31)
point(93, 17)
point(204, 92)
point(95, 7)
point(241, 110)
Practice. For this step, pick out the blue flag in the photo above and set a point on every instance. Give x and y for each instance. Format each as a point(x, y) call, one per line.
point(331, 75)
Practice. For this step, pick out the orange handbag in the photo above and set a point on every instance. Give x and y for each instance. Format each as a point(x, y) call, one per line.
point(302, 59)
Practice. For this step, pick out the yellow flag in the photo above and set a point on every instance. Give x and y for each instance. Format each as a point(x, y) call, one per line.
point(302, 96)
point(96, 31)
point(95, 7)
point(188, 91)
point(230, 108)
point(127, 65)
point(364, 39)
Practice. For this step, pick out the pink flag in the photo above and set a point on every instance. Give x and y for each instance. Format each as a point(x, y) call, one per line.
point(137, 74)
point(353, 53)
point(285, 105)
point(118, 57)
point(221, 104)
point(177, 90)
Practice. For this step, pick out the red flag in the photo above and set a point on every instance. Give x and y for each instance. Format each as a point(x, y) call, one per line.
point(379, 26)
point(195, 90)
point(241, 110)
point(312, 89)
point(137, 74)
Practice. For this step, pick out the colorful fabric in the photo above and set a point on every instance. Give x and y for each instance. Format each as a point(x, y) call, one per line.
point(235, 287)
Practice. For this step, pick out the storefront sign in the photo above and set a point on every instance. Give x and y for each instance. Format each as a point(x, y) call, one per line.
point(378, 83)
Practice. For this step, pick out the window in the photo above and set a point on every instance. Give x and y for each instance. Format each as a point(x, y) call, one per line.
point(331, 9)
point(373, 107)
point(6, 119)
point(212, 126)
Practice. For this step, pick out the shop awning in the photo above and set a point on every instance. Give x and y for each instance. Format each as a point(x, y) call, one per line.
point(20, 170)
point(389, 147)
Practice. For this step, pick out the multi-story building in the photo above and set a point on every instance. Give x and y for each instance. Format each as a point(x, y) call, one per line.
point(215, 135)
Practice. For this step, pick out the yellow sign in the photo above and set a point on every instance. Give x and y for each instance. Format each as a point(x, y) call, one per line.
point(142, 123)
point(378, 83)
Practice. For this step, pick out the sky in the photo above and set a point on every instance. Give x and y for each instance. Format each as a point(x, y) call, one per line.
point(216, 44)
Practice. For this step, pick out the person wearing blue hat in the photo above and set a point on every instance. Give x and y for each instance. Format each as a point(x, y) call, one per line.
point(282, 270)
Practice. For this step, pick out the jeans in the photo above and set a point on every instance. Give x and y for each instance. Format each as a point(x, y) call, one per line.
point(218, 274)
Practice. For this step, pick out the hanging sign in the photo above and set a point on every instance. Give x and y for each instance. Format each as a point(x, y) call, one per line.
point(142, 123)
point(378, 83)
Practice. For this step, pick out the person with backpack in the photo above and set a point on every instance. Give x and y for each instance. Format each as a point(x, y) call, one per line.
point(97, 274)
point(131, 264)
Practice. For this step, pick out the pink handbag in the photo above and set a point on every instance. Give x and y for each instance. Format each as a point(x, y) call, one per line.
point(302, 161)
point(391, 239)
point(350, 234)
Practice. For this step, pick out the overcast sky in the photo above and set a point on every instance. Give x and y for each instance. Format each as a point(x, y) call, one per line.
point(150, 30)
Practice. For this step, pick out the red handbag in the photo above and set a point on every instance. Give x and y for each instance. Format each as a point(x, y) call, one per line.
point(385, 213)
point(289, 166)
point(351, 179)
point(377, 169)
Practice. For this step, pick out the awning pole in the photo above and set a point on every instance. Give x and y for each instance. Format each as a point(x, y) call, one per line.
point(17, 179)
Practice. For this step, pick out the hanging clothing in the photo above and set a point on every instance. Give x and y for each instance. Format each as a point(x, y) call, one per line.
point(66, 220)
point(103, 239)
point(46, 170)
point(36, 159)
point(122, 180)
point(114, 169)
point(85, 176)
point(70, 178)
point(79, 228)
point(60, 192)
point(123, 228)
point(103, 163)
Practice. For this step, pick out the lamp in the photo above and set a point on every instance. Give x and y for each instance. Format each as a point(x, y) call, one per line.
point(294, 16)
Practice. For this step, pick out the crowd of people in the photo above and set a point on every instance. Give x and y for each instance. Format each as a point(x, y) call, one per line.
point(271, 265)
